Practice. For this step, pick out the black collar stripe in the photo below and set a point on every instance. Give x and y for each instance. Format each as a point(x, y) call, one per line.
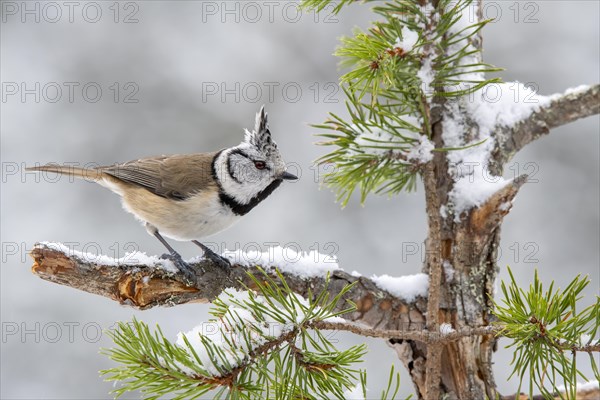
point(243, 209)
point(213, 170)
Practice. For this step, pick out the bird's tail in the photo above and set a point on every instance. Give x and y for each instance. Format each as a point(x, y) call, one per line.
point(90, 174)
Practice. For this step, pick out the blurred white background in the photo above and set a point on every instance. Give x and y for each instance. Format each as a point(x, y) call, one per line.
point(181, 61)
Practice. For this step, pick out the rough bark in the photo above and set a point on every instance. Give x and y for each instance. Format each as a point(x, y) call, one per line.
point(464, 366)
point(378, 314)
point(147, 286)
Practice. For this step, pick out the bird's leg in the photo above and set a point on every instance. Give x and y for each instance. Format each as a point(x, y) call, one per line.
point(184, 268)
point(214, 257)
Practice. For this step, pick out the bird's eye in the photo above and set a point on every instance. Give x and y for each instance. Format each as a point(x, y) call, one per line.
point(260, 164)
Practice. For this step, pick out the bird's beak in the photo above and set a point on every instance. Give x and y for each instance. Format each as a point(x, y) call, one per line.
point(288, 177)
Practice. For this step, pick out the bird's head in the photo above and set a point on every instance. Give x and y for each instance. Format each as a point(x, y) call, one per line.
point(254, 167)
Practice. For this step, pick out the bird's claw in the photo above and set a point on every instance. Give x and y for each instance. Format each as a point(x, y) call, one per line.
point(189, 275)
point(217, 259)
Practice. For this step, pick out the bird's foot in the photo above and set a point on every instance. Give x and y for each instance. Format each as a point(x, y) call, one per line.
point(212, 256)
point(189, 275)
point(217, 259)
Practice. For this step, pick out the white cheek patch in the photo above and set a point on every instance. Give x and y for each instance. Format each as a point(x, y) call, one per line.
point(247, 173)
point(251, 180)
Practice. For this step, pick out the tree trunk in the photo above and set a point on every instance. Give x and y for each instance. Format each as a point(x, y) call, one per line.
point(461, 261)
point(464, 255)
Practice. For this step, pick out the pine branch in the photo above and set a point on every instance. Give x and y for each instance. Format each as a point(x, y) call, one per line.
point(428, 337)
point(547, 330)
point(423, 336)
point(261, 341)
point(146, 286)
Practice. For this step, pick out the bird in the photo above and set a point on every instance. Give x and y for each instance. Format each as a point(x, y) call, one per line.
point(187, 197)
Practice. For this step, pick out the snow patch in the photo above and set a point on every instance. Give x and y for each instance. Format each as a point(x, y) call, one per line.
point(426, 75)
point(448, 270)
point(446, 328)
point(474, 189)
point(336, 319)
point(492, 107)
point(573, 90)
point(584, 339)
point(408, 41)
point(407, 287)
point(422, 151)
point(134, 258)
point(503, 104)
point(288, 260)
point(473, 183)
point(577, 89)
point(444, 211)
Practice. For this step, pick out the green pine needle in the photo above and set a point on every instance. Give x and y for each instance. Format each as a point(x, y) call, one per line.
point(252, 363)
point(545, 327)
point(384, 93)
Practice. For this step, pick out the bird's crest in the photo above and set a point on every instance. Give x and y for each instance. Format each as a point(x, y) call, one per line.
point(260, 137)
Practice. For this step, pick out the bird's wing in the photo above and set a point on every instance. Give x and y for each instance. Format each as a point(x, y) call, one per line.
point(174, 177)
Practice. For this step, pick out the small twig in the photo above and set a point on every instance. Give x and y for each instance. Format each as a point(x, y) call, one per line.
point(423, 336)
point(430, 337)
point(262, 349)
point(588, 348)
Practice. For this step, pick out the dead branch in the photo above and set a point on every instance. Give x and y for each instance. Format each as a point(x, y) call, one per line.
point(147, 286)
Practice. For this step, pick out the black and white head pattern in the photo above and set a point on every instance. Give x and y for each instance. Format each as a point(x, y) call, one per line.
point(249, 172)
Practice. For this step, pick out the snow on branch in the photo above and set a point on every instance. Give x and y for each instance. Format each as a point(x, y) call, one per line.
point(558, 110)
point(144, 282)
point(490, 214)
